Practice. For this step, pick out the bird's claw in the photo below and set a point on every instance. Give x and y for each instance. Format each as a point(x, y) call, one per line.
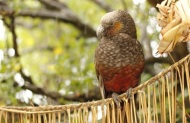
point(128, 93)
point(116, 99)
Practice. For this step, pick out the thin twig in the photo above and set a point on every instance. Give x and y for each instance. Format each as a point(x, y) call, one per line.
point(171, 57)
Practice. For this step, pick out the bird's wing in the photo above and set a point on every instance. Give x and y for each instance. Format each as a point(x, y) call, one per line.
point(138, 51)
point(100, 82)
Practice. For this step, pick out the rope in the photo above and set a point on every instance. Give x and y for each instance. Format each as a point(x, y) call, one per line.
point(63, 108)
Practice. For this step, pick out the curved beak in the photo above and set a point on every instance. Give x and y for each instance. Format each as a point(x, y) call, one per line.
point(100, 31)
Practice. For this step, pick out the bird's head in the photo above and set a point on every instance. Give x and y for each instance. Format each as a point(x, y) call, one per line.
point(115, 22)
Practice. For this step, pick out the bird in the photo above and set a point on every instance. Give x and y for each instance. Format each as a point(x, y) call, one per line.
point(119, 58)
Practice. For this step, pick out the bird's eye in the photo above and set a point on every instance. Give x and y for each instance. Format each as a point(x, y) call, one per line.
point(111, 24)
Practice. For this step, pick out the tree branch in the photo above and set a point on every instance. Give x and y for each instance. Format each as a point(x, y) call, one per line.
point(152, 60)
point(54, 4)
point(85, 29)
point(65, 16)
point(11, 27)
point(102, 4)
point(92, 94)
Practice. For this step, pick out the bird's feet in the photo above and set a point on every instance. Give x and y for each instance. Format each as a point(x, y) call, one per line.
point(116, 99)
point(128, 93)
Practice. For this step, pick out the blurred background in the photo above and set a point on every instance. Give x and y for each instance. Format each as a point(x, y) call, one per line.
point(47, 48)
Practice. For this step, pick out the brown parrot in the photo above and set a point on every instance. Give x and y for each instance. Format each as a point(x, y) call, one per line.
point(119, 58)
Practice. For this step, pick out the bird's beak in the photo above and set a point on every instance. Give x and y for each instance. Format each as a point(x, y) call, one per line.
point(99, 32)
